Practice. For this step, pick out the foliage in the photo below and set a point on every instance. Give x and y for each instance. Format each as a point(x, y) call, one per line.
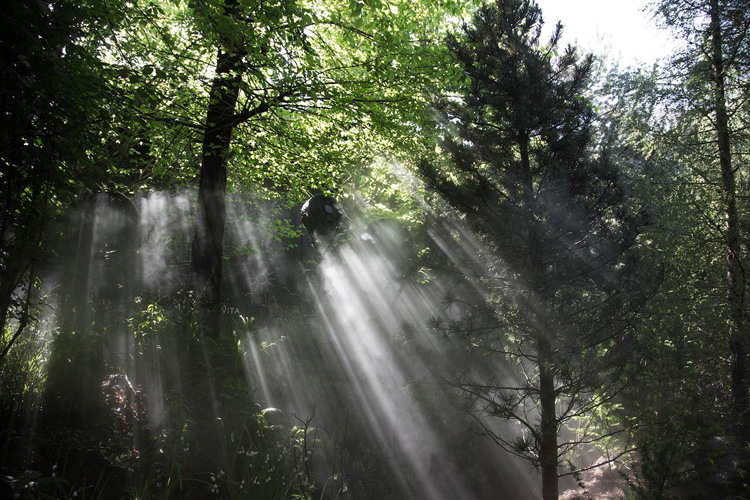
point(139, 452)
point(671, 117)
point(548, 200)
point(542, 210)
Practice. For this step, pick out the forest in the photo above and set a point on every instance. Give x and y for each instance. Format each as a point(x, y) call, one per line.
point(371, 249)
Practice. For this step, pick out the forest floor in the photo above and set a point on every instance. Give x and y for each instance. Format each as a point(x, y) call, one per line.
point(602, 483)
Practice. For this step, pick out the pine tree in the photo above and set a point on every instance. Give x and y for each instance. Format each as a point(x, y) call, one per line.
point(528, 174)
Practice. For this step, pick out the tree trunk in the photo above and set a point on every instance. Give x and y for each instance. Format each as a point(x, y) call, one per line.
point(207, 248)
point(735, 273)
point(207, 254)
point(547, 437)
point(548, 431)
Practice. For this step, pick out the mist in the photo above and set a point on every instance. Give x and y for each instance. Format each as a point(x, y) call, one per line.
point(333, 356)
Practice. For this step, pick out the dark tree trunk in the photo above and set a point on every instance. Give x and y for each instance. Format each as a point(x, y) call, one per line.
point(738, 335)
point(207, 249)
point(547, 437)
point(207, 255)
point(548, 426)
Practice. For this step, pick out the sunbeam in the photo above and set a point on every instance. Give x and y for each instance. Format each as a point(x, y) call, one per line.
point(335, 338)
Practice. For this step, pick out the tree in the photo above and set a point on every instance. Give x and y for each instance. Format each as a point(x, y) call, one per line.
point(277, 64)
point(51, 94)
point(546, 197)
point(712, 72)
point(672, 403)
